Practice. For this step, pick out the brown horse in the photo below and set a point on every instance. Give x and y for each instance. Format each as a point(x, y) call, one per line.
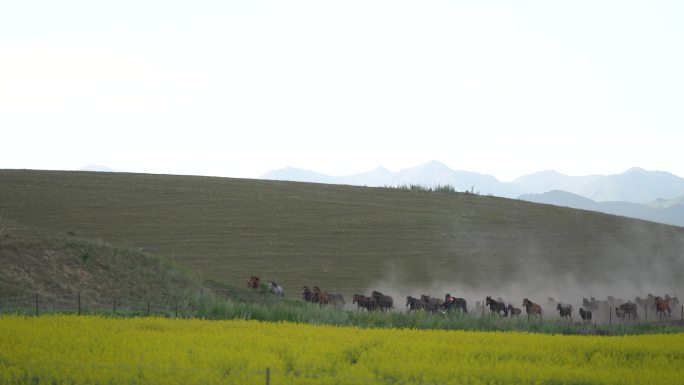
point(532, 308)
point(323, 299)
point(315, 294)
point(662, 305)
point(253, 282)
point(362, 301)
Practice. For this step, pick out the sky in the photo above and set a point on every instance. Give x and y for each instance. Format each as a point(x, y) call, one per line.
point(239, 88)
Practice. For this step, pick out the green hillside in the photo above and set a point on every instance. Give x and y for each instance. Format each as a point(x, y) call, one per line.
point(56, 267)
point(343, 238)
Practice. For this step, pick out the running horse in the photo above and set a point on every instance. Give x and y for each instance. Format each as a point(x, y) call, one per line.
point(661, 305)
point(306, 294)
point(315, 294)
point(514, 311)
point(381, 301)
point(432, 304)
point(323, 299)
point(276, 289)
point(565, 311)
point(585, 314)
point(362, 301)
point(454, 303)
point(628, 309)
point(253, 282)
point(497, 306)
point(532, 308)
point(415, 303)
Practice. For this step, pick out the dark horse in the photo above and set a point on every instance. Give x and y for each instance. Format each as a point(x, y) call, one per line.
point(628, 309)
point(497, 306)
point(585, 314)
point(415, 303)
point(565, 311)
point(454, 303)
point(381, 301)
point(432, 304)
point(362, 301)
point(514, 311)
point(306, 294)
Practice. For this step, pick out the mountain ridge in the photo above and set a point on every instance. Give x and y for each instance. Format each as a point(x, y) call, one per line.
point(635, 193)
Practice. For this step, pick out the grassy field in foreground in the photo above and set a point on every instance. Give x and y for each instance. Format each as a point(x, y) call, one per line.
point(86, 350)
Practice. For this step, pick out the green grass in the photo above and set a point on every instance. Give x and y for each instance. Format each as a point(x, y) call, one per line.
point(247, 305)
point(59, 267)
point(343, 238)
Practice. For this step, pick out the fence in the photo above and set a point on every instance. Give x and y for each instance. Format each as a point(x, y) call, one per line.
point(172, 306)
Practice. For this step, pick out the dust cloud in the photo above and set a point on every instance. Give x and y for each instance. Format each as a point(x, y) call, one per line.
point(634, 262)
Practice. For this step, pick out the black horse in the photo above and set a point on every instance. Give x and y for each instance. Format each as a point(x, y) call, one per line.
point(454, 303)
point(497, 306)
point(585, 314)
point(306, 294)
point(565, 311)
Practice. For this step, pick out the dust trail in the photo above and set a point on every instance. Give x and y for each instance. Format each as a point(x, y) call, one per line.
point(651, 262)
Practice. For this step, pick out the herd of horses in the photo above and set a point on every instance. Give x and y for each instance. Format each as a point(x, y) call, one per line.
point(660, 306)
point(315, 295)
point(377, 301)
point(255, 283)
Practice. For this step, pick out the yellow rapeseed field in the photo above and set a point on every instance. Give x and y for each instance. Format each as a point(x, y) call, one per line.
point(94, 350)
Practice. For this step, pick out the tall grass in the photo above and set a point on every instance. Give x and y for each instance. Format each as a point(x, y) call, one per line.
point(260, 305)
point(271, 308)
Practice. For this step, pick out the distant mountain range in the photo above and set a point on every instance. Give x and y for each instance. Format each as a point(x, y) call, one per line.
point(669, 211)
point(652, 195)
point(97, 168)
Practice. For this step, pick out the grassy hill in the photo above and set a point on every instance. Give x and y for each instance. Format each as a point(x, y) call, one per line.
point(59, 266)
point(347, 239)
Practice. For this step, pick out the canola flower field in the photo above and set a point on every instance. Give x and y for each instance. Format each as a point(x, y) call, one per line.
point(69, 349)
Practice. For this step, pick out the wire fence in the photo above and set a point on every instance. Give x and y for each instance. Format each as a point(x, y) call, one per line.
point(172, 306)
point(167, 306)
point(37, 304)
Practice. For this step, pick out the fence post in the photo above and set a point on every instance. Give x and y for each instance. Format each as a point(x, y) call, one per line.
point(268, 376)
point(148, 308)
point(175, 302)
point(646, 311)
point(36, 304)
point(79, 303)
point(683, 312)
point(483, 306)
point(610, 316)
point(114, 305)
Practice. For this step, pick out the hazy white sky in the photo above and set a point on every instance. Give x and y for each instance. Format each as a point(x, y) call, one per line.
point(240, 88)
